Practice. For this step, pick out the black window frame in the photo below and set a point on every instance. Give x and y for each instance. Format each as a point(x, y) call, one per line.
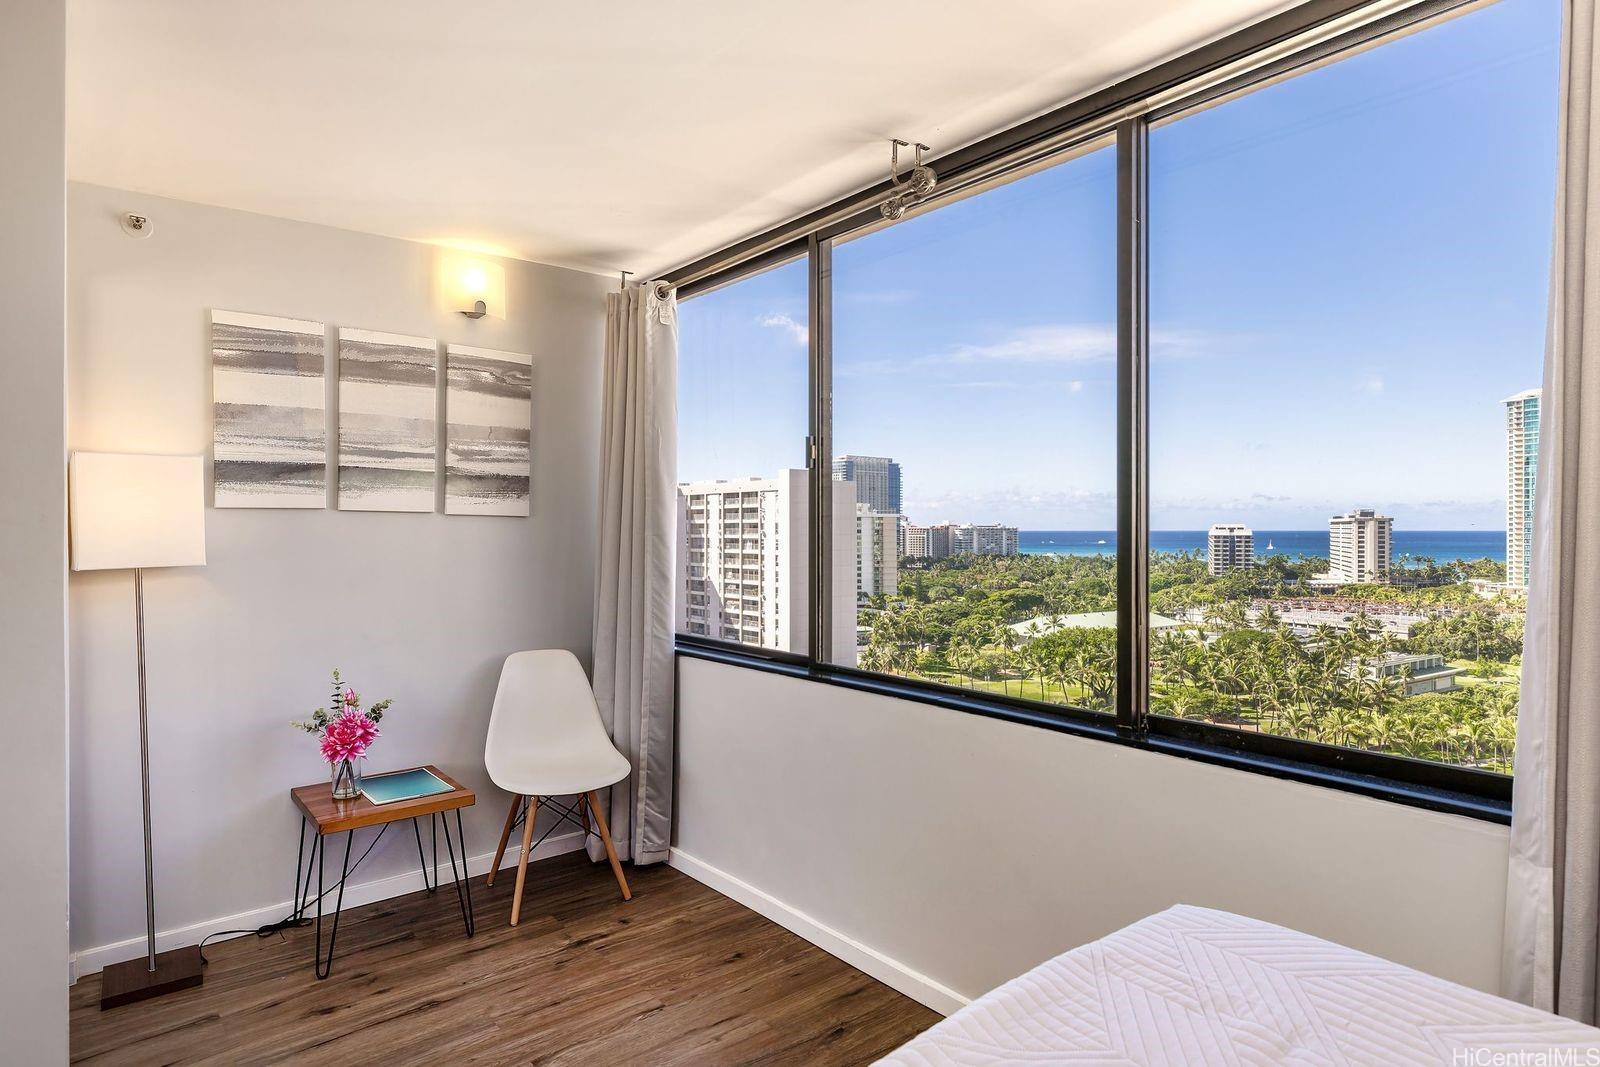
point(1317, 32)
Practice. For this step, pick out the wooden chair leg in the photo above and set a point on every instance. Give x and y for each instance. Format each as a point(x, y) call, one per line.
point(605, 837)
point(505, 835)
point(522, 864)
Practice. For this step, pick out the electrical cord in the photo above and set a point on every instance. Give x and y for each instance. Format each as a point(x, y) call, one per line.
point(293, 920)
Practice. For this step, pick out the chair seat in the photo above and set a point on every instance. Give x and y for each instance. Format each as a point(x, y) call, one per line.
point(552, 773)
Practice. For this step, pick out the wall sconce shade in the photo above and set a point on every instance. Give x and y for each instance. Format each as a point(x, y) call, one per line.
point(136, 511)
point(472, 285)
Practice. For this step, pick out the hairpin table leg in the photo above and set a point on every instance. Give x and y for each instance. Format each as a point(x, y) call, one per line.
point(463, 884)
point(300, 862)
point(422, 858)
point(325, 967)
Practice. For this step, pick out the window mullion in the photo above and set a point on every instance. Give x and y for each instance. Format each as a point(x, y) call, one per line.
point(1133, 374)
point(819, 451)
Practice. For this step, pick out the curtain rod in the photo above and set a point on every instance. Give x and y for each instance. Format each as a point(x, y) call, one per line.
point(1269, 41)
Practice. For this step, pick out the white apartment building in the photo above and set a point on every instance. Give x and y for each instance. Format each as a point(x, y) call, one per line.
point(1360, 546)
point(877, 554)
point(918, 542)
point(743, 559)
point(1522, 468)
point(1230, 546)
point(948, 539)
point(988, 540)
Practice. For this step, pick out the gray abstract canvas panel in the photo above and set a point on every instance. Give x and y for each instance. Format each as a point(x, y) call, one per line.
point(388, 435)
point(269, 412)
point(489, 419)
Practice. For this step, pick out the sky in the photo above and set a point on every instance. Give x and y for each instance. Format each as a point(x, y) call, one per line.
point(1348, 273)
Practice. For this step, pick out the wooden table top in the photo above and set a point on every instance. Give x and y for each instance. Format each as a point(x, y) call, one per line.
point(332, 816)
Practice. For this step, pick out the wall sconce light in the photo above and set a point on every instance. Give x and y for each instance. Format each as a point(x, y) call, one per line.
point(472, 285)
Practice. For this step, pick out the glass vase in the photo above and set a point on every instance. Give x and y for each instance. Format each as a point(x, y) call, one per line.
point(346, 775)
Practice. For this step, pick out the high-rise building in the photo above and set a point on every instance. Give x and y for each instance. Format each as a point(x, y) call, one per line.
point(947, 539)
point(984, 540)
point(916, 539)
point(1230, 546)
point(743, 562)
point(1360, 546)
point(1522, 469)
point(877, 554)
point(877, 481)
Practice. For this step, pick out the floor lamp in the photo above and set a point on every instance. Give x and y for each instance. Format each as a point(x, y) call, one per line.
point(133, 513)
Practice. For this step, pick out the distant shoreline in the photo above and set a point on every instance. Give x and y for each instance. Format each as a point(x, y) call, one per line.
point(1442, 546)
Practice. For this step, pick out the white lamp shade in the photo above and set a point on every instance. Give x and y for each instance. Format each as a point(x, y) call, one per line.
point(136, 511)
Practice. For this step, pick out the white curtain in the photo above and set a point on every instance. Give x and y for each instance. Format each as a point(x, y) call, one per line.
point(1552, 934)
point(633, 662)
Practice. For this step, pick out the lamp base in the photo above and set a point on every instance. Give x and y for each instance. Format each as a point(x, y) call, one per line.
point(133, 980)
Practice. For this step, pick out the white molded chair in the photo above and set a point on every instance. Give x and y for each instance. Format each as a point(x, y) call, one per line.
point(546, 740)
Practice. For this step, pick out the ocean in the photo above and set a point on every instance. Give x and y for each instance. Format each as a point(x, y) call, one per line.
point(1442, 545)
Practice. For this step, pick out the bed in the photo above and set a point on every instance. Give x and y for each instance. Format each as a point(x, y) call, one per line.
point(1196, 986)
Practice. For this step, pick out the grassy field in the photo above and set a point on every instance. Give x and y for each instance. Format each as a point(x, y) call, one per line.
point(1504, 673)
point(1026, 688)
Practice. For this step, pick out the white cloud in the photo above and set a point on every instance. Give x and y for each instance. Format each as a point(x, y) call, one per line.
point(780, 321)
point(1061, 344)
point(1073, 343)
point(1018, 506)
point(1075, 386)
point(1373, 384)
point(1042, 344)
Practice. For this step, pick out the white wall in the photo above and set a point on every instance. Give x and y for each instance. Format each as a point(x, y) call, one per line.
point(965, 850)
point(420, 608)
point(33, 673)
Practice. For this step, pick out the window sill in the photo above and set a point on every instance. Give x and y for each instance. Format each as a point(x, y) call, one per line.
point(1171, 738)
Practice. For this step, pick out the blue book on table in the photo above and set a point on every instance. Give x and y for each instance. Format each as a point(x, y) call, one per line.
point(402, 785)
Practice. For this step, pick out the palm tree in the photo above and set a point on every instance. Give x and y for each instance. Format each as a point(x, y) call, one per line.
point(1300, 722)
point(1378, 729)
point(1064, 671)
point(963, 657)
point(1007, 639)
point(874, 657)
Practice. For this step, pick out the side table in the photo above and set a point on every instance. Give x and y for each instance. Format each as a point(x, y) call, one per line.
point(326, 817)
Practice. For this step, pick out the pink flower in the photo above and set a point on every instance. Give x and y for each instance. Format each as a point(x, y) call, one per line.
point(348, 737)
point(350, 698)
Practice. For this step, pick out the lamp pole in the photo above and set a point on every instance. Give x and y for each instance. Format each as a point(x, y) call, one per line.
point(144, 776)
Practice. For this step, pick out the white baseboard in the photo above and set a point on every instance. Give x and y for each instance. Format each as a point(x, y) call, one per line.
point(94, 960)
point(890, 972)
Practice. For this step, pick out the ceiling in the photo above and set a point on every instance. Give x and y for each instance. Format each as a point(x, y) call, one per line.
point(601, 136)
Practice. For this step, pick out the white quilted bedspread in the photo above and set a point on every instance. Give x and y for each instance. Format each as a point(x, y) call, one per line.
point(1196, 986)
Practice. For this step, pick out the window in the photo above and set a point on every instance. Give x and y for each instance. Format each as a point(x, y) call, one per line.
point(1348, 286)
point(974, 438)
point(743, 489)
point(1218, 423)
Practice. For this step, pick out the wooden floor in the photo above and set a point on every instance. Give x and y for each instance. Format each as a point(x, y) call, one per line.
point(680, 974)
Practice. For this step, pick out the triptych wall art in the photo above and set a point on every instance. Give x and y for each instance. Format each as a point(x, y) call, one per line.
point(269, 411)
point(387, 433)
point(488, 404)
point(271, 420)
